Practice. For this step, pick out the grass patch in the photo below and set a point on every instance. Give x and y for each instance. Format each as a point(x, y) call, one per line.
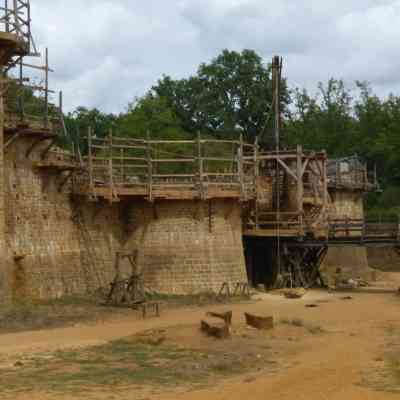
point(299, 323)
point(386, 376)
point(33, 315)
point(67, 311)
point(119, 364)
point(200, 299)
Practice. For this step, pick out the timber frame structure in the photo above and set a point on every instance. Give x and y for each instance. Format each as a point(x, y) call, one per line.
point(27, 111)
point(201, 168)
point(292, 197)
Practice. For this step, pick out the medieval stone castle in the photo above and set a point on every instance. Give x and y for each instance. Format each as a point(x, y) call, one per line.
point(218, 212)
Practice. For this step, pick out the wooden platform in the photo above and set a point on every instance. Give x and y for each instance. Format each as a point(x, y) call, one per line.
point(11, 45)
point(163, 192)
point(273, 233)
point(57, 165)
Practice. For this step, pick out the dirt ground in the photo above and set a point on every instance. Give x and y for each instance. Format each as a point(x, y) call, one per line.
point(345, 347)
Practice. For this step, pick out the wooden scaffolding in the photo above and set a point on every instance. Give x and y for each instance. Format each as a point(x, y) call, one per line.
point(200, 168)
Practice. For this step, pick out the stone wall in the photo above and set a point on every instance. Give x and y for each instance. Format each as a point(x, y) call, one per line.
point(182, 250)
point(347, 204)
point(44, 235)
point(384, 258)
point(62, 246)
point(4, 264)
point(352, 261)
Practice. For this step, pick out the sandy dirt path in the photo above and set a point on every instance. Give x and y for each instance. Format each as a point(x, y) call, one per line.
point(331, 368)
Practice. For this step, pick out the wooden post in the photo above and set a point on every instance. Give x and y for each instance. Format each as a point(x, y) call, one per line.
point(149, 168)
point(61, 114)
point(300, 184)
point(398, 228)
point(338, 174)
point(60, 101)
point(256, 173)
point(20, 100)
point(122, 165)
point(240, 167)
point(276, 80)
point(17, 20)
point(200, 165)
point(110, 164)
point(46, 92)
point(325, 182)
point(90, 160)
point(7, 16)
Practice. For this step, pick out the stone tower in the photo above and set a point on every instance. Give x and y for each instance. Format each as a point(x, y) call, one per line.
point(15, 44)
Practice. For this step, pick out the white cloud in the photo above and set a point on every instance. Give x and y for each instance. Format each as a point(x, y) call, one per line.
point(109, 51)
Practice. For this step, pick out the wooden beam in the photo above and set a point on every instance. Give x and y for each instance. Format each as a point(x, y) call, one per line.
point(34, 144)
point(149, 168)
point(47, 149)
point(287, 169)
point(300, 184)
point(64, 181)
point(11, 140)
point(90, 160)
point(200, 166)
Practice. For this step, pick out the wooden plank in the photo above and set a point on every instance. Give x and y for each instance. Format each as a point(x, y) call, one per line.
point(150, 168)
point(221, 159)
point(173, 160)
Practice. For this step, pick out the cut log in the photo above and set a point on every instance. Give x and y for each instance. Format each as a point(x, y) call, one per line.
point(217, 331)
point(259, 322)
point(226, 317)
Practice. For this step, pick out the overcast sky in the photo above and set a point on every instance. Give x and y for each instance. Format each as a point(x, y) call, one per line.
point(107, 52)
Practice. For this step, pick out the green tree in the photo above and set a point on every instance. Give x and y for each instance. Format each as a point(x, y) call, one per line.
point(231, 94)
point(150, 114)
point(324, 121)
point(79, 121)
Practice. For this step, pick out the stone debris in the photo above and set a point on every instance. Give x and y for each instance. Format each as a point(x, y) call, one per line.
point(258, 322)
point(219, 331)
point(226, 316)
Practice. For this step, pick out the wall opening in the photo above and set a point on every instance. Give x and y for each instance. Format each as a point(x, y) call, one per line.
point(261, 262)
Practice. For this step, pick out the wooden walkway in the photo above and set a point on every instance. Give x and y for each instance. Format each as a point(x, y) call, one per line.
point(201, 168)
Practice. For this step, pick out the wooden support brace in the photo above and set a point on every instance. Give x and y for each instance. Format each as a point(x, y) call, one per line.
point(64, 181)
point(47, 149)
point(287, 169)
point(306, 162)
point(34, 144)
point(11, 140)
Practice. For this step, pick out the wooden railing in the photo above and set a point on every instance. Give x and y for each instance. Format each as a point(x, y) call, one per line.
point(296, 192)
point(200, 167)
point(358, 176)
point(364, 229)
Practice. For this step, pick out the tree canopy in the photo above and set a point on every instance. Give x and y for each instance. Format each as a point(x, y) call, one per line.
point(232, 94)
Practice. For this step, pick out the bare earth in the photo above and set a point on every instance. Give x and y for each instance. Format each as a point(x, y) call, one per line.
point(334, 365)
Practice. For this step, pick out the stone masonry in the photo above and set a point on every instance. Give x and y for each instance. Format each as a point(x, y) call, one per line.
point(187, 247)
point(60, 245)
point(44, 234)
